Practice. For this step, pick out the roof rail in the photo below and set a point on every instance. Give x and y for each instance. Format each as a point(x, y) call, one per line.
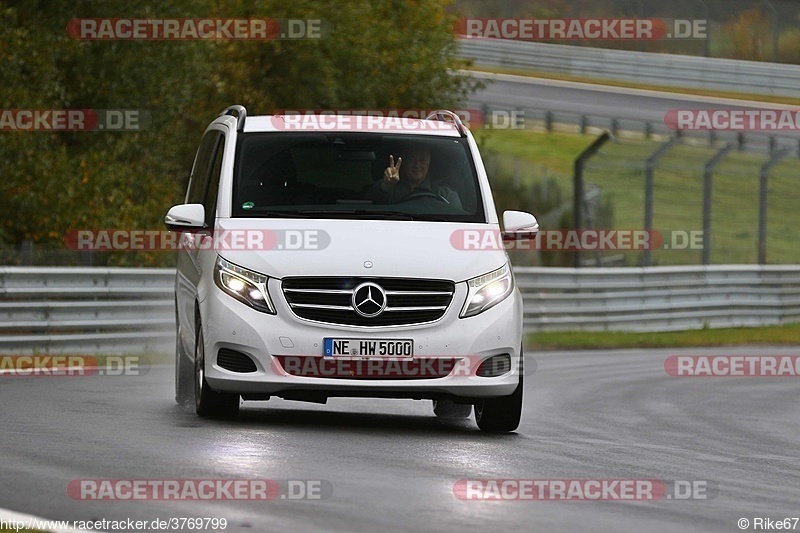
point(442, 114)
point(241, 115)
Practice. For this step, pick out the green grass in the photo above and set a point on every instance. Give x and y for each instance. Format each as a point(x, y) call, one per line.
point(557, 151)
point(788, 335)
point(619, 170)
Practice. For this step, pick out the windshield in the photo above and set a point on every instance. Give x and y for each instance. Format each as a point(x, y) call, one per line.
point(356, 175)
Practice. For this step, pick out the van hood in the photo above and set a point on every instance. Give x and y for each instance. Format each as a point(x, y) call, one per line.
point(334, 247)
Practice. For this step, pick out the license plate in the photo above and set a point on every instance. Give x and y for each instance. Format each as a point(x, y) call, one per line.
point(368, 347)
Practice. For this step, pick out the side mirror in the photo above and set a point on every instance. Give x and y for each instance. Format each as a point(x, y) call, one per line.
point(519, 225)
point(186, 217)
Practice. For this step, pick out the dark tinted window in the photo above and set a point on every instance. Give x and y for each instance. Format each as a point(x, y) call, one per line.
point(210, 202)
point(338, 175)
point(198, 182)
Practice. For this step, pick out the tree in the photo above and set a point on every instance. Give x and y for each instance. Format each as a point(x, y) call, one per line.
point(384, 54)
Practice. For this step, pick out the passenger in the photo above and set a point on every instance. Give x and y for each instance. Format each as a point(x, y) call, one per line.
point(394, 188)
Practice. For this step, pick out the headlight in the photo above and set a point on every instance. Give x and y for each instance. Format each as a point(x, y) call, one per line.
point(245, 285)
point(487, 291)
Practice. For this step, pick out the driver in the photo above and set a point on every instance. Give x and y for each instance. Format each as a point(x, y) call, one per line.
point(394, 188)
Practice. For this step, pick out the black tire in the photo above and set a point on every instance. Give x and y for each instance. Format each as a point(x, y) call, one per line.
point(209, 403)
point(500, 415)
point(183, 375)
point(451, 410)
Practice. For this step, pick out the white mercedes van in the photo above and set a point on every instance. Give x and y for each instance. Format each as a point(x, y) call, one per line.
point(322, 255)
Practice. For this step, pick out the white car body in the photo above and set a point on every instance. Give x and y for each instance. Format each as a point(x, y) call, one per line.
point(354, 249)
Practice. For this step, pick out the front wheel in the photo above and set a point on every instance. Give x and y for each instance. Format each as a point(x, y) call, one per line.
point(209, 403)
point(500, 415)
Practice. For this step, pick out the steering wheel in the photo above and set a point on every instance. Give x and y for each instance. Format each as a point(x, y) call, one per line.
point(424, 194)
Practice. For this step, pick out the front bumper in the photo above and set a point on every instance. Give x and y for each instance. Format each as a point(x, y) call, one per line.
point(270, 339)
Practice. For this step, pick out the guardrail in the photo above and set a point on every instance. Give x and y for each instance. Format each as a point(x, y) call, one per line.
point(659, 298)
point(128, 310)
point(655, 68)
point(86, 310)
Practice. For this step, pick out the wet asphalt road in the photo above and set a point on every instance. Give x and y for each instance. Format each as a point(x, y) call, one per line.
point(633, 107)
point(392, 466)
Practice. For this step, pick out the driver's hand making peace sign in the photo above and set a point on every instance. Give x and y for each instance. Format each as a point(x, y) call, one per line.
point(392, 174)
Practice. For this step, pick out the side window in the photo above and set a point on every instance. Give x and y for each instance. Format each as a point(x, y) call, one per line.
point(198, 182)
point(210, 202)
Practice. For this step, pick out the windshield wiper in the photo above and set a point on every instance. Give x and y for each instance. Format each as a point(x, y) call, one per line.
point(394, 215)
point(425, 218)
point(367, 213)
point(281, 214)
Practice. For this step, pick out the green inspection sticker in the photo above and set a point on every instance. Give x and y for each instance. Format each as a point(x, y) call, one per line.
point(248, 205)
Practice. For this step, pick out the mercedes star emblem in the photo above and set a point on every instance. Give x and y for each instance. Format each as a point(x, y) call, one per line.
point(369, 299)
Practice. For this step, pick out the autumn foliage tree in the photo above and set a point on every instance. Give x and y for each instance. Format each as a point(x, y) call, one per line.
point(375, 54)
point(750, 35)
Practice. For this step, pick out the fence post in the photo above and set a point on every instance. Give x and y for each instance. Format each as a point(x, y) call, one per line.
point(740, 141)
point(707, 175)
point(577, 186)
point(649, 185)
point(762, 203)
